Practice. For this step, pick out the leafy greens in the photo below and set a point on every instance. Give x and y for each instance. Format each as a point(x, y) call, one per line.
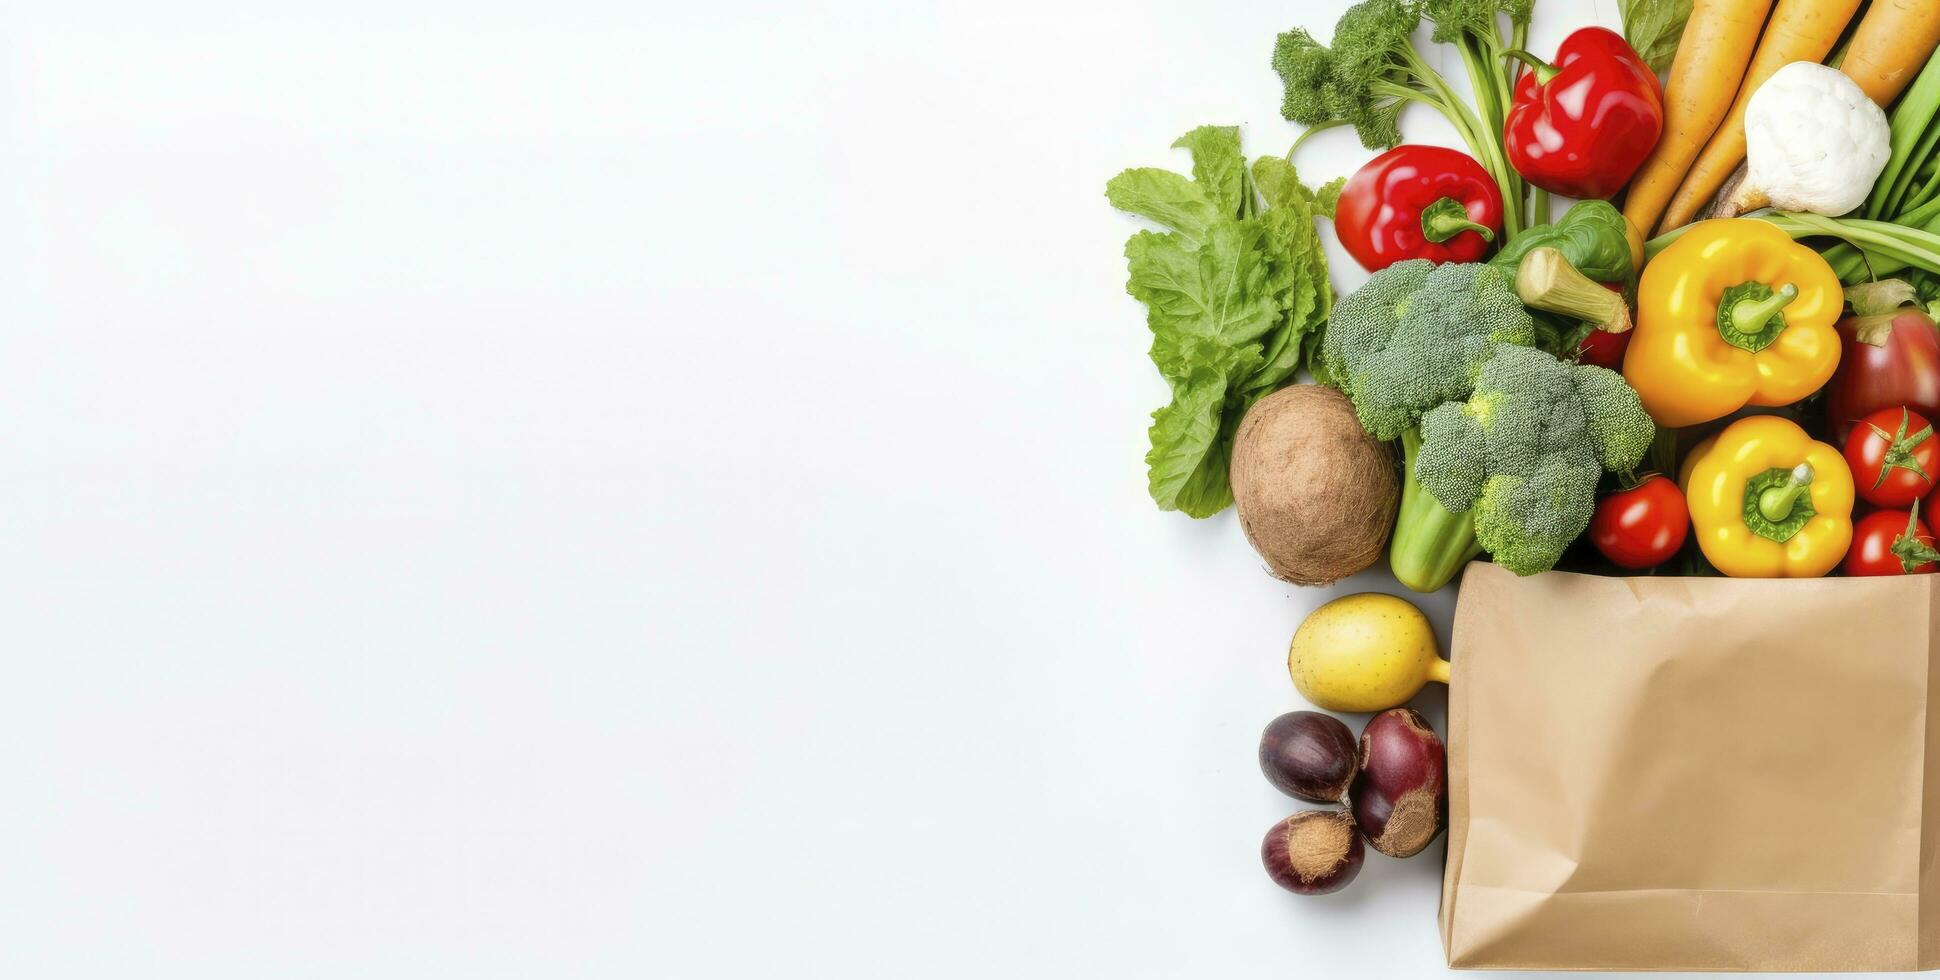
point(1234, 294)
point(1654, 27)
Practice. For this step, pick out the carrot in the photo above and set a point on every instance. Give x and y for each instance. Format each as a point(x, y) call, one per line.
point(1893, 41)
point(1711, 60)
point(1800, 30)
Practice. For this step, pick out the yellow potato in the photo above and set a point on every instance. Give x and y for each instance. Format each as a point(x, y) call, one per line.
point(1365, 652)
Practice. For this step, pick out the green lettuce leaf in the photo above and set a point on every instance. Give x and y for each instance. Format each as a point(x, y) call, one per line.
point(1232, 295)
point(1221, 291)
point(1192, 437)
point(1218, 167)
point(1164, 197)
point(1302, 290)
point(1327, 199)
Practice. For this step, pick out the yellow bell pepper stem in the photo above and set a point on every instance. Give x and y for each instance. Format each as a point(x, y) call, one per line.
point(1748, 315)
point(1750, 322)
point(1776, 503)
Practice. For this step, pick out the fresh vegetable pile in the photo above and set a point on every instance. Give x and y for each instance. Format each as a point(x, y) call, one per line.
point(1720, 359)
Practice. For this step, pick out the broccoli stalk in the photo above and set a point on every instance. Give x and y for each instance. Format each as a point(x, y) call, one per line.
point(1430, 543)
point(1373, 71)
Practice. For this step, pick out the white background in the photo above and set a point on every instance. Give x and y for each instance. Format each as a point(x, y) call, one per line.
point(620, 490)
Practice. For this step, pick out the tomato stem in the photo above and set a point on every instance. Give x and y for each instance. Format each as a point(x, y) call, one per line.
point(1899, 453)
point(1912, 550)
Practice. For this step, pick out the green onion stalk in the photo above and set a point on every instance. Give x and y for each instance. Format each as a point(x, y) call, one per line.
point(1870, 248)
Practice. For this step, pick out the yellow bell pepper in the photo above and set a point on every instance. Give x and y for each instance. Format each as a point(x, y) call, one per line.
point(1733, 313)
point(1768, 502)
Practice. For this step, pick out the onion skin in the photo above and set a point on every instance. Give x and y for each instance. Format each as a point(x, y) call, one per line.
point(1313, 852)
point(1309, 756)
point(1905, 370)
point(1400, 797)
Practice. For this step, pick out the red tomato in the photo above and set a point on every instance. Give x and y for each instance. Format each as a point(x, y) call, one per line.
point(1881, 545)
point(1893, 456)
point(1604, 349)
point(1898, 363)
point(1642, 526)
point(1601, 347)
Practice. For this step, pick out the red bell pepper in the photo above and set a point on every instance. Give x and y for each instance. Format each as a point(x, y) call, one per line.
point(1418, 202)
point(1582, 126)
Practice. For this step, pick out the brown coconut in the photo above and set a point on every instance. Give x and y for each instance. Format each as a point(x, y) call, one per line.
point(1316, 493)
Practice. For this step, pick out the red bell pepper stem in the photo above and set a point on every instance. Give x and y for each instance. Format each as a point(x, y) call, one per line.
point(1447, 218)
point(1543, 70)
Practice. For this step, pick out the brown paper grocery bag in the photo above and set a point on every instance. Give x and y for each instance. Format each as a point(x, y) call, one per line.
point(1693, 774)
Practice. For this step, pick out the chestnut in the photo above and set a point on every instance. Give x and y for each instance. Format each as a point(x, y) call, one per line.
point(1313, 852)
point(1308, 755)
point(1400, 795)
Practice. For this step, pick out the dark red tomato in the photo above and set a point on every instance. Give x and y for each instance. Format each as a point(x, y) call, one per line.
point(1603, 349)
point(1894, 457)
point(1882, 545)
point(1642, 526)
point(1885, 361)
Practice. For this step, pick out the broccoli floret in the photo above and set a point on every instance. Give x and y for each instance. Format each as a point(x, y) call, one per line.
point(1361, 81)
point(1476, 18)
point(1416, 334)
point(1526, 449)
